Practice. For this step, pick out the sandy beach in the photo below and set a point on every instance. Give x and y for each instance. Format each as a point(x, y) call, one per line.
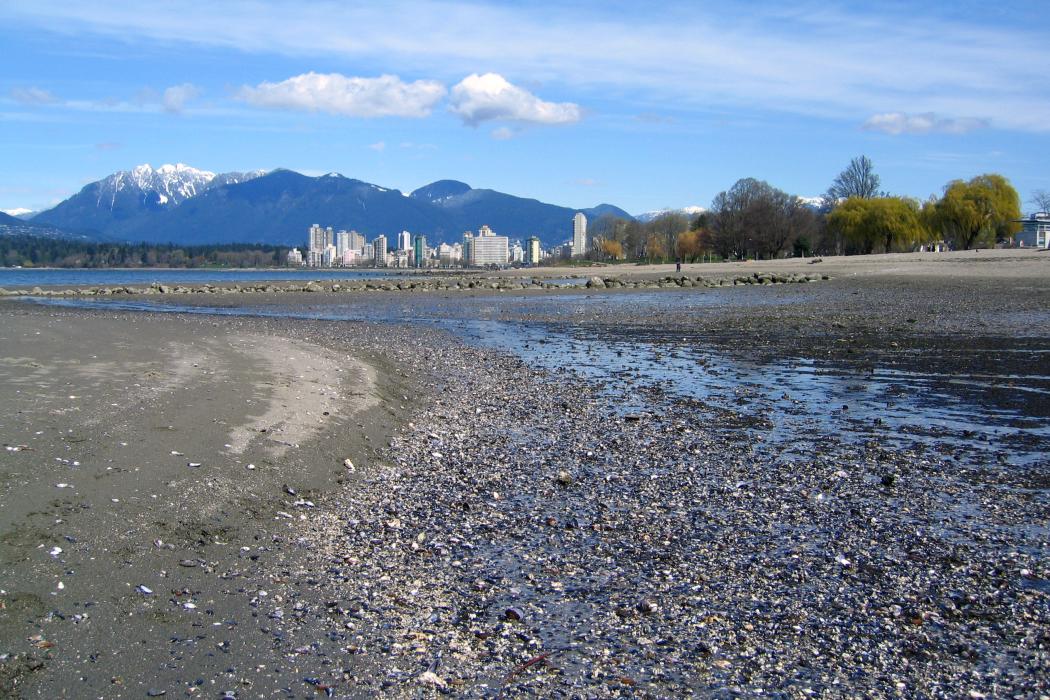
point(563, 519)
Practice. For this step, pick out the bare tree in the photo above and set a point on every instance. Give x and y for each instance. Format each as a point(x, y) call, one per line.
point(1041, 199)
point(857, 180)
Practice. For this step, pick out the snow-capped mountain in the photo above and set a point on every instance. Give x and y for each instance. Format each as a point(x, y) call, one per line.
point(19, 213)
point(120, 200)
point(689, 211)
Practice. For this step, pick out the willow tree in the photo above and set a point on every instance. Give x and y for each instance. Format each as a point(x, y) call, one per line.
point(978, 212)
point(882, 223)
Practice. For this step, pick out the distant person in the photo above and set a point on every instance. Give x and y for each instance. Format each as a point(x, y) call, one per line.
point(677, 264)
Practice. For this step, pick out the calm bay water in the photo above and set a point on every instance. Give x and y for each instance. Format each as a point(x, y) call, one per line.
point(11, 278)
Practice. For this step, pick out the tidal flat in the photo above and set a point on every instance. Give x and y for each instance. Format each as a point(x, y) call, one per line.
point(833, 489)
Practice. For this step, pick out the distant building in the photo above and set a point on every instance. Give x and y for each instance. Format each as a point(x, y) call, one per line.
point(342, 242)
point(532, 251)
point(579, 234)
point(295, 258)
point(379, 251)
point(404, 241)
point(488, 249)
point(328, 256)
point(357, 242)
point(1035, 231)
point(419, 252)
point(349, 257)
point(468, 247)
point(517, 253)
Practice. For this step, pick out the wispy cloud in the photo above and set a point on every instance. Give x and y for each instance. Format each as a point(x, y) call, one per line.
point(176, 97)
point(912, 59)
point(897, 123)
point(378, 146)
point(33, 96)
point(488, 97)
point(385, 96)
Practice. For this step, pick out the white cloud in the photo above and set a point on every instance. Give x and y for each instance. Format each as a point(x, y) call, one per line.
point(176, 97)
point(503, 133)
point(385, 96)
point(480, 98)
point(33, 96)
point(697, 56)
point(378, 146)
point(897, 123)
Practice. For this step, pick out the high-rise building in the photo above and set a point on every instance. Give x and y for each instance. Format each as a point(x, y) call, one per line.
point(320, 238)
point(468, 247)
point(579, 234)
point(532, 251)
point(342, 242)
point(419, 252)
point(328, 256)
point(517, 253)
point(404, 241)
point(379, 251)
point(295, 258)
point(488, 248)
point(357, 242)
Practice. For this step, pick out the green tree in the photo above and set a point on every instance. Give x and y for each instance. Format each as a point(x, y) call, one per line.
point(978, 212)
point(881, 224)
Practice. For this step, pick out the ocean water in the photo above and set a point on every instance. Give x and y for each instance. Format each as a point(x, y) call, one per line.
point(12, 278)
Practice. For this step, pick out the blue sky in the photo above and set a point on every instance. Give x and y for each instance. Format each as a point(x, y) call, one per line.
point(573, 103)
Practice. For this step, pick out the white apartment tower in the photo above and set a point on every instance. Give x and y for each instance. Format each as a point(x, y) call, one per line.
point(579, 234)
point(404, 241)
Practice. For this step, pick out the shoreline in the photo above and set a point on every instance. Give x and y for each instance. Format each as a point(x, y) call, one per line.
point(530, 531)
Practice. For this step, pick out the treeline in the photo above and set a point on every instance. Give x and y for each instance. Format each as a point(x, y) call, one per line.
point(31, 251)
point(753, 219)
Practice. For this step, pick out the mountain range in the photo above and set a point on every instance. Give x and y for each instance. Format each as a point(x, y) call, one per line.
point(16, 226)
point(183, 205)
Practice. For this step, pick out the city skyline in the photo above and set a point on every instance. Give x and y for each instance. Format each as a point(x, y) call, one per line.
point(642, 110)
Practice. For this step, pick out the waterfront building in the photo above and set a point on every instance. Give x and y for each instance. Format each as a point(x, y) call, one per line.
point(379, 251)
point(295, 258)
point(357, 242)
point(313, 258)
point(342, 242)
point(579, 234)
point(349, 257)
point(517, 253)
point(419, 252)
point(328, 256)
point(488, 249)
point(1035, 231)
point(404, 241)
point(449, 255)
point(532, 251)
point(468, 247)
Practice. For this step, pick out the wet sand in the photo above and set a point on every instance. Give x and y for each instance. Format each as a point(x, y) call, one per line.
point(168, 455)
